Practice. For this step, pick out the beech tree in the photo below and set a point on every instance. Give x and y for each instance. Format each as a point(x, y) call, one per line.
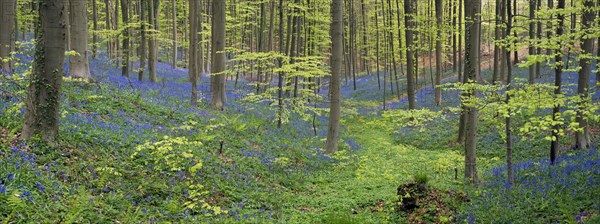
point(438, 52)
point(409, 17)
point(7, 29)
point(217, 79)
point(472, 40)
point(79, 40)
point(43, 97)
point(337, 41)
point(192, 59)
point(582, 138)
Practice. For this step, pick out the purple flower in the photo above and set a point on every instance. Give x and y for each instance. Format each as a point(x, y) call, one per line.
point(2, 189)
point(11, 176)
point(40, 187)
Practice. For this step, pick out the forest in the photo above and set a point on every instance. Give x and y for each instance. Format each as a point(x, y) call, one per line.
point(299, 111)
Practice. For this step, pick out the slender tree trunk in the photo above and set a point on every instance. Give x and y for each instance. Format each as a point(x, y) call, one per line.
point(143, 55)
point(109, 48)
point(454, 36)
point(398, 18)
point(538, 39)
point(462, 123)
point(409, 17)
point(438, 52)
point(460, 39)
point(201, 61)
point(217, 80)
point(174, 59)
point(79, 38)
point(43, 98)
point(337, 30)
point(509, 143)
point(192, 70)
point(532, 51)
point(377, 50)
point(280, 60)
point(95, 26)
point(497, 53)
point(125, 48)
point(365, 42)
point(153, 40)
point(549, 25)
point(582, 139)
point(503, 64)
point(7, 27)
point(558, 70)
point(473, 31)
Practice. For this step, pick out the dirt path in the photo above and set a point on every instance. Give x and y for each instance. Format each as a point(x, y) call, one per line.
point(485, 65)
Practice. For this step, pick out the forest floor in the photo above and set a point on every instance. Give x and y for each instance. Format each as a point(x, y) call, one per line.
point(132, 152)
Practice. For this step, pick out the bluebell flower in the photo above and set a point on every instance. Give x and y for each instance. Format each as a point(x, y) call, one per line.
point(10, 176)
point(40, 187)
point(2, 189)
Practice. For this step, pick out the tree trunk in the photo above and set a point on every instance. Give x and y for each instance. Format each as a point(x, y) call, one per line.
point(109, 48)
point(365, 42)
point(43, 98)
point(143, 42)
point(282, 50)
point(497, 52)
point(125, 48)
point(538, 39)
point(503, 61)
point(377, 51)
point(558, 70)
point(472, 51)
point(7, 26)
point(79, 65)
point(95, 26)
point(582, 139)
point(174, 59)
point(217, 80)
point(509, 143)
point(438, 53)
point(337, 40)
point(531, 22)
point(153, 41)
point(409, 17)
point(192, 70)
point(454, 36)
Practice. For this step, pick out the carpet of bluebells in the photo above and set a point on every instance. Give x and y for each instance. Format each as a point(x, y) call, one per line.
point(102, 172)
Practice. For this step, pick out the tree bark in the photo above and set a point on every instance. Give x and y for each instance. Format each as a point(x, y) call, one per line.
point(79, 65)
point(153, 40)
point(472, 50)
point(7, 27)
point(438, 52)
point(497, 53)
point(337, 41)
point(125, 44)
point(192, 70)
point(532, 51)
point(558, 70)
point(509, 142)
point(174, 59)
point(217, 80)
point(95, 27)
point(43, 98)
point(143, 41)
point(282, 50)
point(409, 17)
point(582, 139)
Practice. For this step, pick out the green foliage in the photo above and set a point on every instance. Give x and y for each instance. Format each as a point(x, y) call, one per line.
point(421, 178)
